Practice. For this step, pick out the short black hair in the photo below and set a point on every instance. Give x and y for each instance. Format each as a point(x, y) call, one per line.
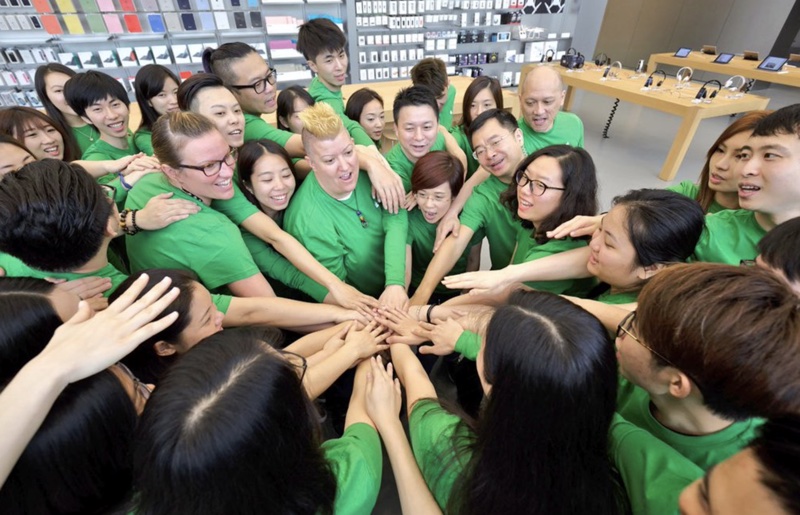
point(191, 87)
point(357, 101)
point(218, 61)
point(286, 103)
point(503, 117)
point(54, 215)
point(779, 248)
point(785, 120)
point(414, 96)
point(430, 72)
point(777, 447)
point(87, 88)
point(319, 35)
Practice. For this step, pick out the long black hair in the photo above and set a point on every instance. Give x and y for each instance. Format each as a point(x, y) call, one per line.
point(249, 154)
point(150, 80)
point(71, 147)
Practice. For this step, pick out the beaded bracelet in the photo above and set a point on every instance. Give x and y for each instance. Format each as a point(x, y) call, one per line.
point(123, 223)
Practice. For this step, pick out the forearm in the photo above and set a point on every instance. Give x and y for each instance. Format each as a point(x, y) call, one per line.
point(478, 177)
point(610, 315)
point(313, 343)
point(278, 312)
point(453, 148)
point(564, 265)
point(357, 410)
point(442, 262)
point(321, 376)
point(410, 372)
point(394, 247)
point(295, 146)
point(98, 168)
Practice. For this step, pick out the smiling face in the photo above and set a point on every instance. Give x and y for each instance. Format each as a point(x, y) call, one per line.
point(433, 203)
point(541, 97)
point(249, 70)
point(204, 319)
point(417, 129)
point(769, 181)
point(334, 162)
point(54, 87)
point(12, 158)
point(203, 151)
point(221, 107)
point(499, 150)
point(613, 258)
point(331, 68)
point(110, 116)
point(373, 119)
point(536, 209)
point(166, 101)
point(724, 164)
point(272, 183)
point(483, 101)
point(43, 140)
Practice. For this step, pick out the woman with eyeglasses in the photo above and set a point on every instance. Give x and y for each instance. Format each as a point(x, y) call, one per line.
point(708, 348)
point(230, 429)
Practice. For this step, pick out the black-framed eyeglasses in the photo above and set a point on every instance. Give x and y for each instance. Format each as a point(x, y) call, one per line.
point(490, 145)
point(260, 85)
point(110, 191)
point(213, 168)
point(141, 389)
point(538, 188)
point(747, 262)
point(297, 361)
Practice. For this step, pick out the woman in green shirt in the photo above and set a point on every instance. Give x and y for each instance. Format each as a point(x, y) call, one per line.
point(291, 102)
point(366, 107)
point(483, 93)
point(156, 93)
point(231, 430)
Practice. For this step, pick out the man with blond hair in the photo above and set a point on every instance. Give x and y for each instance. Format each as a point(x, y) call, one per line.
point(335, 217)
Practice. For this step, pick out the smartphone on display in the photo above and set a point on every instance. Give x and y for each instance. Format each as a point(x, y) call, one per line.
point(156, 23)
point(127, 6)
point(239, 21)
point(184, 5)
point(173, 22)
point(236, 3)
point(255, 19)
point(189, 22)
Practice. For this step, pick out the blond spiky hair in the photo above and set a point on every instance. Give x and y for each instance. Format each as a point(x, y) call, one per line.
point(321, 121)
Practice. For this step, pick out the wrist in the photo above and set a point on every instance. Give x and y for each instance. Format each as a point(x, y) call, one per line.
point(125, 184)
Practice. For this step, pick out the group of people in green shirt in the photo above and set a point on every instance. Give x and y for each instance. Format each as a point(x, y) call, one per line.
point(376, 251)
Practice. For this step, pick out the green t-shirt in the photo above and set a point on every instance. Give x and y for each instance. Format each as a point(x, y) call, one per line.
point(85, 136)
point(402, 165)
point(529, 250)
point(654, 474)
point(256, 127)
point(625, 297)
point(367, 257)
point(729, 237)
point(421, 236)
point(15, 268)
point(142, 140)
point(446, 112)
point(432, 430)
point(207, 242)
point(357, 462)
point(468, 345)
point(484, 213)
point(101, 150)
point(320, 93)
point(463, 141)
point(692, 190)
point(705, 451)
point(237, 208)
point(567, 130)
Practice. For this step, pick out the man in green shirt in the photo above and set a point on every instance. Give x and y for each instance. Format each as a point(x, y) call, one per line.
point(432, 74)
point(415, 114)
point(334, 215)
point(497, 141)
point(777, 252)
point(541, 96)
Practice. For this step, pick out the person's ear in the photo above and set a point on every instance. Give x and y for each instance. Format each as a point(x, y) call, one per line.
point(112, 225)
point(519, 137)
point(562, 98)
point(164, 349)
point(313, 66)
point(169, 171)
point(680, 386)
point(646, 272)
point(283, 121)
point(248, 187)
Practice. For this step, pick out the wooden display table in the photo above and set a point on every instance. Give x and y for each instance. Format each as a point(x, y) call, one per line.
point(789, 76)
point(667, 99)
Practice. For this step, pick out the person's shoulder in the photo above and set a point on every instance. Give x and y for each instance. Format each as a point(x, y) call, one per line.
point(306, 202)
point(730, 217)
point(567, 118)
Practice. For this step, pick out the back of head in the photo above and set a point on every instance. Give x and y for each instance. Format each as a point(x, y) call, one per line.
point(357, 101)
point(778, 249)
point(55, 215)
point(734, 330)
point(785, 120)
point(778, 450)
point(87, 88)
point(29, 321)
point(320, 122)
point(319, 35)
point(79, 459)
point(663, 226)
point(414, 96)
point(150, 80)
point(543, 430)
point(503, 117)
point(430, 72)
point(172, 130)
point(475, 87)
point(435, 168)
point(191, 87)
point(219, 61)
point(230, 430)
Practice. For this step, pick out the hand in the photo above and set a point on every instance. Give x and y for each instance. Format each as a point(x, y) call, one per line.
point(348, 297)
point(348, 315)
point(118, 165)
point(141, 163)
point(85, 288)
point(384, 398)
point(448, 224)
point(394, 296)
point(85, 345)
point(366, 342)
point(483, 282)
point(336, 341)
point(443, 336)
point(401, 324)
point(411, 201)
point(577, 227)
point(161, 211)
point(386, 184)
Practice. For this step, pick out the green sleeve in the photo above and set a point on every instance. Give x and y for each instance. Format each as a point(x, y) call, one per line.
point(468, 344)
point(274, 265)
point(394, 247)
point(685, 188)
point(580, 138)
point(143, 141)
point(257, 128)
point(95, 156)
point(357, 132)
point(357, 462)
point(223, 302)
point(120, 193)
point(463, 142)
point(237, 208)
point(446, 113)
point(654, 474)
